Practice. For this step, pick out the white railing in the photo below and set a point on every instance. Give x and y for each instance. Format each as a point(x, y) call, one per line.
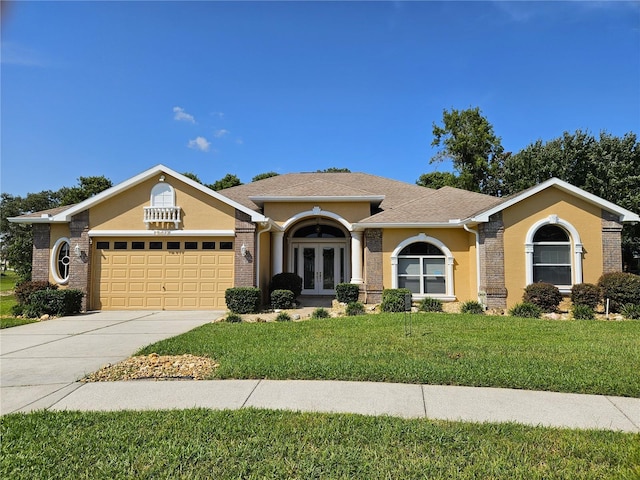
point(162, 215)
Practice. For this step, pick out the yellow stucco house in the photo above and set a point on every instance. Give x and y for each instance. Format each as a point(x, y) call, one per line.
point(162, 241)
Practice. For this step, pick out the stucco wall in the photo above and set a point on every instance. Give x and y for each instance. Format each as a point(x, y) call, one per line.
point(519, 218)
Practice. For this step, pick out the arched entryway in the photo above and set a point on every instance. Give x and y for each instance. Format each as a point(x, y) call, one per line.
point(319, 253)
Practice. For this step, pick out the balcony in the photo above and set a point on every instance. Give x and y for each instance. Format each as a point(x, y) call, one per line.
point(162, 215)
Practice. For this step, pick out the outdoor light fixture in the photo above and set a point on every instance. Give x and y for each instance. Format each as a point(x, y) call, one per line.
point(76, 249)
point(243, 250)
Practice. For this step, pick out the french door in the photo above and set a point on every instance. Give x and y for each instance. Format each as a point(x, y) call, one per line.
point(321, 266)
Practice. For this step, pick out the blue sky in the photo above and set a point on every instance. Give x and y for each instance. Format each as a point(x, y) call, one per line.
point(113, 88)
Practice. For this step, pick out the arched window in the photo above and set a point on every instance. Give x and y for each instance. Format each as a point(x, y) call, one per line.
point(554, 253)
point(424, 265)
point(60, 261)
point(162, 195)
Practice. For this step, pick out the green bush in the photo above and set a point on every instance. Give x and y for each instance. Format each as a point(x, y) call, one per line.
point(320, 313)
point(233, 318)
point(620, 288)
point(472, 306)
point(631, 311)
point(54, 302)
point(583, 312)
point(526, 310)
point(544, 295)
point(243, 299)
point(25, 289)
point(287, 281)
point(585, 294)
point(283, 317)
point(429, 304)
point(282, 299)
point(347, 292)
point(355, 308)
point(393, 299)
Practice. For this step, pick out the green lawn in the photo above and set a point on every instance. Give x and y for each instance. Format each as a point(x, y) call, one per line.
point(252, 444)
point(567, 356)
point(7, 283)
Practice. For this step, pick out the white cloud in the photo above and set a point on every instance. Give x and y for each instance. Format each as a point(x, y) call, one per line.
point(182, 116)
point(199, 143)
point(221, 133)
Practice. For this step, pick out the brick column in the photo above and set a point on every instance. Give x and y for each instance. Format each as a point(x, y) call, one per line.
point(41, 252)
point(373, 283)
point(491, 251)
point(244, 266)
point(80, 267)
point(611, 243)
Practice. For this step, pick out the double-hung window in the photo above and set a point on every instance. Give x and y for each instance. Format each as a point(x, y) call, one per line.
point(422, 269)
point(552, 256)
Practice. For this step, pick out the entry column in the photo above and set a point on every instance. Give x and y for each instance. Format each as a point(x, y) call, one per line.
point(356, 257)
point(277, 248)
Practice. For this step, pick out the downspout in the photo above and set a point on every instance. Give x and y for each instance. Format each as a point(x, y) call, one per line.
point(258, 251)
point(477, 234)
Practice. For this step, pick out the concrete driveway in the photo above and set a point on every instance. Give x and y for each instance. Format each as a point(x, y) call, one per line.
point(41, 362)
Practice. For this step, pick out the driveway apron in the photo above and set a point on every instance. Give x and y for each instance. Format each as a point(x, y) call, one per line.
point(40, 363)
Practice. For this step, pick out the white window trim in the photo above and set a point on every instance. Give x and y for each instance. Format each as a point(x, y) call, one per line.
point(574, 242)
point(449, 295)
point(53, 265)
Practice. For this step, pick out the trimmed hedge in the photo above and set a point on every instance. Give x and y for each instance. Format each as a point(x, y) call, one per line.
point(347, 292)
point(282, 299)
point(287, 281)
point(53, 302)
point(393, 299)
point(544, 295)
point(620, 288)
point(243, 299)
point(586, 294)
point(25, 289)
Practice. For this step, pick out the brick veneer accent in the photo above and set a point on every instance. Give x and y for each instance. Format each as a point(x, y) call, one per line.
point(371, 291)
point(80, 268)
point(611, 243)
point(41, 252)
point(491, 251)
point(244, 267)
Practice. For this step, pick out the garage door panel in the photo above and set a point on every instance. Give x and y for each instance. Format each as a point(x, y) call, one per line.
point(161, 279)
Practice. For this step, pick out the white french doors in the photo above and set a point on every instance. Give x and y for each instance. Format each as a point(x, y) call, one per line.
point(321, 266)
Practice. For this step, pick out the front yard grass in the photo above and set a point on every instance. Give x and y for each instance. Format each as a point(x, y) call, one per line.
point(594, 357)
point(8, 300)
point(251, 444)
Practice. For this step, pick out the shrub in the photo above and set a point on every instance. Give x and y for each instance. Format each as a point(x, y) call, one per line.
point(287, 281)
point(393, 299)
point(54, 302)
point(320, 313)
point(355, 308)
point(283, 317)
point(526, 310)
point(544, 295)
point(585, 294)
point(233, 318)
point(347, 292)
point(429, 304)
point(243, 299)
point(620, 288)
point(282, 299)
point(583, 312)
point(631, 311)
point(25, 289)
point(472, 306)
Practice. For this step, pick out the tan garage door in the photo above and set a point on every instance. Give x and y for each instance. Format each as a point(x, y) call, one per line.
point(130, 274)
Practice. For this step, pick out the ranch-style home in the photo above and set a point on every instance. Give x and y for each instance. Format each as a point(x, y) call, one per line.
point(162, 241)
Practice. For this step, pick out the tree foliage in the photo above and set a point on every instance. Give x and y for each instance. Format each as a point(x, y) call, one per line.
point(437, 180)
point(228, 181)
point(467, 139)
point(192, 176)
point(262, 176)
point(334, 170)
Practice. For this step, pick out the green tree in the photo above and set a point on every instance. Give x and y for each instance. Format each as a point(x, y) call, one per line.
point(438, 180)
point(192, 176)
point(334, 170)
point(262, 176)
point(87, 187)
point(467, 139)
point(227, 181)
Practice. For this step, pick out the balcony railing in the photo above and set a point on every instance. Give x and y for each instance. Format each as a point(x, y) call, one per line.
point(162, 215)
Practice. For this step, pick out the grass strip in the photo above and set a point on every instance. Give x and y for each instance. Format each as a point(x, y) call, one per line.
point(252, 444)
point(566, 356)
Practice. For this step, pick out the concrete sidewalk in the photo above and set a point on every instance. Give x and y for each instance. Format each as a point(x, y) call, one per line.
point(366, 398)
